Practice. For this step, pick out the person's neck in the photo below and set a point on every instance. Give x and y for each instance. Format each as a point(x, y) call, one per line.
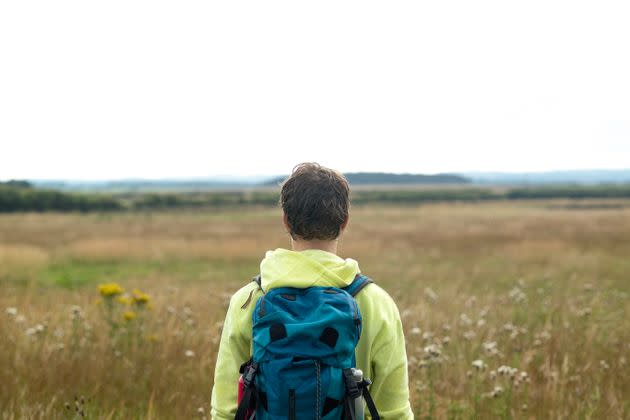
point(328, 246)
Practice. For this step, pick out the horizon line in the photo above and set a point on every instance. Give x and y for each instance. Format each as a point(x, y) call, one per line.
point(236, 177)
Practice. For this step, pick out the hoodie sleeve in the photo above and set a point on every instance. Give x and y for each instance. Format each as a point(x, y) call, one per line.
point(390, 382)
point(234, 350)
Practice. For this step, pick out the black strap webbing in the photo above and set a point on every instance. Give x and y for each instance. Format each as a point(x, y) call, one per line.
point(361, 286)
point(246, 404)
point(370, 403)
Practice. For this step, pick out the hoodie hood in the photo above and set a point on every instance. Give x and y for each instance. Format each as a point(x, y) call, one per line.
point(312, 267)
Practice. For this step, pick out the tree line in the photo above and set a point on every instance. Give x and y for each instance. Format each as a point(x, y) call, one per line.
point(18, 196)
point(21, 196)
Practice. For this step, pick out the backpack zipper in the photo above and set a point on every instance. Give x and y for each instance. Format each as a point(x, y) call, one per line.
point(292, 404)
point(318, 413)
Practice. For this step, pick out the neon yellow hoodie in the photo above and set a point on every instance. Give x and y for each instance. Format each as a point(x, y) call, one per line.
point(380, 353)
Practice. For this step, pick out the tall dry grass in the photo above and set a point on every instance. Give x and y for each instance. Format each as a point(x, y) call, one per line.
point(511, 310)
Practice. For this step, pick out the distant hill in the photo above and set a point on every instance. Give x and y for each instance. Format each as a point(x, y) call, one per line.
point(582, 177)
point(381, 178)
point(16, 183)
point(574, 177)
point(227, 183)
point(141, 185)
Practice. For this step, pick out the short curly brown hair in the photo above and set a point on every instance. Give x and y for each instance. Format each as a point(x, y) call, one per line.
point(316, 201)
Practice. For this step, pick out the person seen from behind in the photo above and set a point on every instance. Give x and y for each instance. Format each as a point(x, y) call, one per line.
point(315, 203)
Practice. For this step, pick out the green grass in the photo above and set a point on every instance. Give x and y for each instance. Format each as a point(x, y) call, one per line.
point(74, 274)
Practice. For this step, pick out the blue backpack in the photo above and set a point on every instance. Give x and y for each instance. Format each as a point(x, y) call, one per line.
point(303, 354)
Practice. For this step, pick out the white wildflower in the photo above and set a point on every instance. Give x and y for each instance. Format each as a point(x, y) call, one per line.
point(433, 350)
point(469, 335)
point(36, 330)
point(58, 333)
point(517, 295)
point(465, 320)
point(479, 364)
point(508, 327)
point(490, 347)
point(76, 311)
point(507, 371)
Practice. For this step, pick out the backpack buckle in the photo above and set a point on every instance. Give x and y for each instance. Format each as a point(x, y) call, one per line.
point(249, 374)
point(352, 388)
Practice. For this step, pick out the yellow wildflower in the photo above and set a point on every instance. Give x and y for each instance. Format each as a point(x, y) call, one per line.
point(125, 300)
point(129, 315)
point(110, 289)
point(139, 298)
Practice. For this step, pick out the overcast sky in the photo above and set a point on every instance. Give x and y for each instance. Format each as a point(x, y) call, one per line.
point(115, 89)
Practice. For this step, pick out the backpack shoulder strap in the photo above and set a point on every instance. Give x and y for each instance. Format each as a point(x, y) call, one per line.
point(359, 282)
point(256, 279)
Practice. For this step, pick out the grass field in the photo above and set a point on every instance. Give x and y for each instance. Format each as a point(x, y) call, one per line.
point(511, 310)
